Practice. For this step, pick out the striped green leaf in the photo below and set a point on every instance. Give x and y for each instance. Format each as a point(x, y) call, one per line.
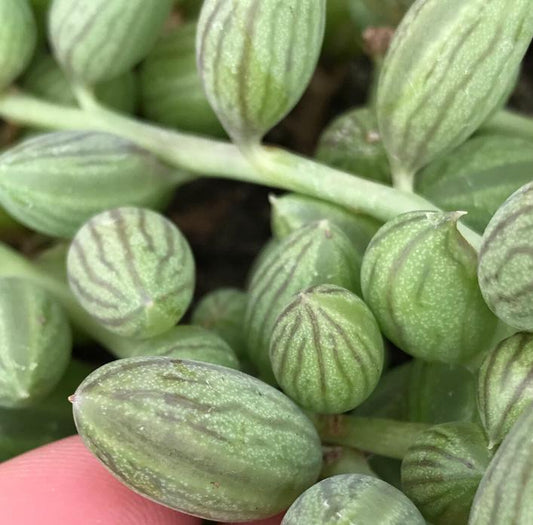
point(419, 279)
point(352, 498)
point(478, 176)
point(45, 79)
point(35, 343)
point(505, 260)
point(184, 342)
point(203, 439)
point(222, 311)
point(442, 470)
point(505, 386)
point(441, 393)
point(318, 253)
point(170, 86)
point(18, 36)
point(132, 270)
point(82, 43)
point(326, 350)
point(293, 211)
point(505, 494)
point(256, 58)
point(55, 182)
point(352, 143)
point(449, 66)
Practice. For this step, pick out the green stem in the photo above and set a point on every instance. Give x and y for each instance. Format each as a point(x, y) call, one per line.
point(269, 166)
point(12, 264)
point(384, 437)
point(510, 123)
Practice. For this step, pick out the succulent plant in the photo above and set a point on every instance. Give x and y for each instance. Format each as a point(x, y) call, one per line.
point(419, 279)
point(184, 342)
point(206, 438)
point(18, 36)
point(147, 419)
point(441, 393)
point(504, 494)
point(352, 142)
point(352, 498)
point(55, 182)
point(80, 38)
point(441, 78)
point(505, 387)
point(318, 253)
point(470, 177)
point(44, 78)
point(222, 311)
point(35, 343)
point(326, 350)
point(442, 470)
point(171, 90)
point(132, 270)
point(255, 60)
point(292, 211)
point(505, 261)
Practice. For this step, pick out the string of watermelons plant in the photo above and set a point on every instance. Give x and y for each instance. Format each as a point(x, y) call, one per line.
point(410, 228)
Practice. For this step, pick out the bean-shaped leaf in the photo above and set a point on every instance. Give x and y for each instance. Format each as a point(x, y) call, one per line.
point(170, 87)
point(449, 65)
point(292, 211)
point(255, 58)
point(506, 258)
point(505, 387)
point(442, 470)
point(419, 279)
point(352, 142)
point(326, 350)
point(55, 182)
point(18, 35)
point(35, 343)
point(132, 270)
point(200, 438)
point(183, 342)
point(352, 498)
point(505, 494)
point(80, 38)
point(47, 80)
point(478, 176)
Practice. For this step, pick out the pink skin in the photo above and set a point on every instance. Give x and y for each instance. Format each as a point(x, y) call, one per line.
point(63, 483)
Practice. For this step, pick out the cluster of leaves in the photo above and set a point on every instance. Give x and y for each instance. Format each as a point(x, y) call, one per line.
point(410, 234)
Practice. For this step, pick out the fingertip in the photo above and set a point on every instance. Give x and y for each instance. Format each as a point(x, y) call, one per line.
point(63, 483)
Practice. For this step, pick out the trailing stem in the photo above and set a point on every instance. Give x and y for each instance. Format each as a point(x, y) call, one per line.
point(269, 166)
